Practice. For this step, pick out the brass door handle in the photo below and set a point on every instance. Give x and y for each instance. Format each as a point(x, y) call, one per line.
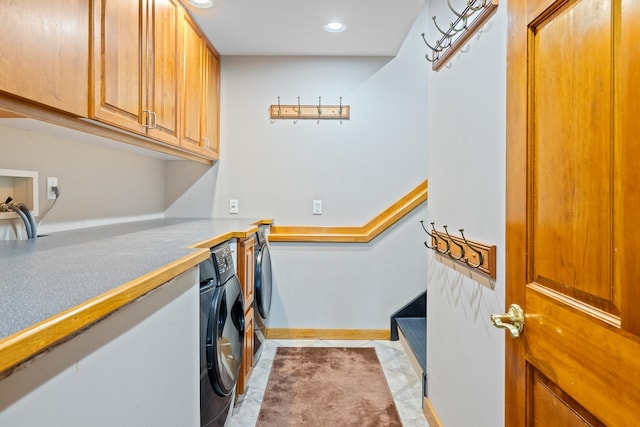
point(513, 320)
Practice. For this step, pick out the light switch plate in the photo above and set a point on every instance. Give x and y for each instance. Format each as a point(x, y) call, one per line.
point(317, 207)
point(233, 206)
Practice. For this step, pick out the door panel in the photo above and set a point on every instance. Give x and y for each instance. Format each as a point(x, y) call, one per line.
point(192, 56)
point(571, 61)
point(211, 103)
point(572, 198)
point(163, 61)
point(550, 403)
point(119, 37)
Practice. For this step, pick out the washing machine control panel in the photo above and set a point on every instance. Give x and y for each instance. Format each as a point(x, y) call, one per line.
point(223, 261)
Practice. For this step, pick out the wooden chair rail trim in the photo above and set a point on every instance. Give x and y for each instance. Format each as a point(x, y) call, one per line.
point(363, 234)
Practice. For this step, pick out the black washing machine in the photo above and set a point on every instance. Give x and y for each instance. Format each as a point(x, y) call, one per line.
point(221, 336)
point(262, 292)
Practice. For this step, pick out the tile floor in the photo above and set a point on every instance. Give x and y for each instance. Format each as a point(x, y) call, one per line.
point(403, 381)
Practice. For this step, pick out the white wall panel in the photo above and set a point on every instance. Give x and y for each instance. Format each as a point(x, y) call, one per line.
point(98, 184)
point(466, 164)
point(138, 367)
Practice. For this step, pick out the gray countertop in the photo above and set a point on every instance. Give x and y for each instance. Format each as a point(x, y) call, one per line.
point(45, 276)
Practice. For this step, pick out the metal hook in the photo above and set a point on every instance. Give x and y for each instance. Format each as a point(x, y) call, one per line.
point(434, 49)
point(340, 109)
point(462, 16)
point(455, 243)
point(446, 34)
point(480, 258)
point(446, 251)
point(279, 108)
point(430, 235)
point(471, 3)
point(319, 105)
point(299, 108)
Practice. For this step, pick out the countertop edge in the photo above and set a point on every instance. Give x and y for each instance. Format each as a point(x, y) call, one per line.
point(221, 238)
point(22, 346)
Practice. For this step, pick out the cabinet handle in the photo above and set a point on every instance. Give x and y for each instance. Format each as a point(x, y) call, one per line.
point(206, 143)
point(148, 125)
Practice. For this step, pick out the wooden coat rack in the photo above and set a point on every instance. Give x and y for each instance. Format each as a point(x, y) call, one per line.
point(475, 255)
point(309, 112)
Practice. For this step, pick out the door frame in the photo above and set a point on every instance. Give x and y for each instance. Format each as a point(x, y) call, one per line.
point(516, 208)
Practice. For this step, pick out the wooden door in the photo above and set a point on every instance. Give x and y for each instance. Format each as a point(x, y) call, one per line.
point(211, 104)
point(119, 63)
point(163, 62)
point(246, 260)
point(191, 103)
point(573, 167)
point(41, 62)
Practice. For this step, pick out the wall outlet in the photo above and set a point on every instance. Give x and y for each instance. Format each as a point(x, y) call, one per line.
point(317, 207)
point(233, 206)
point(52, 181)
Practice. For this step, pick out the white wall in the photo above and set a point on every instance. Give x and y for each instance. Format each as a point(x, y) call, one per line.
point(357, 168)
point(138, 367)
point(466, 164)
point(99, 184)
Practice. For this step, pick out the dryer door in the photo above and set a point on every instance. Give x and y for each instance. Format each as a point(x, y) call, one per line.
point(225, 336)
point(262, 291)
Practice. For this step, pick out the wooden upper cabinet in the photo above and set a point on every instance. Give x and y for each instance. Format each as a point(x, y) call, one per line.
point(118, 50)
point(211, 103)
point(135, 62)
point(200, 95)
point(191, 101)
point(163, 62)
point(142, 66)
point(47, 64)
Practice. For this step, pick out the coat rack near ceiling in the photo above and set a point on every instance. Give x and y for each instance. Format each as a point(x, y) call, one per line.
point(305, 112)
point(467, 22)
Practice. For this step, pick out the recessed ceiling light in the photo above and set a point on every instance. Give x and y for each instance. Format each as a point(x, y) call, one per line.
point(202, 4)
point(335, 27)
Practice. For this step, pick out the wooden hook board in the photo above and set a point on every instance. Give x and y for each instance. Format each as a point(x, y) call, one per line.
point(470, 258)
point(307, 112)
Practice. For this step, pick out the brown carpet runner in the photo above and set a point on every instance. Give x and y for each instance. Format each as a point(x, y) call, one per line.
point(328, 387)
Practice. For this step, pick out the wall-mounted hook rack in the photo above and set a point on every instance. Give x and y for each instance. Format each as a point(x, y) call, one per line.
point(474, 255)
point(305, 112)
point(459, 31)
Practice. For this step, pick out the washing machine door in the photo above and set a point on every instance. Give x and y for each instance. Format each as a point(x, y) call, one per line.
point(262, 289)
point(225, 336)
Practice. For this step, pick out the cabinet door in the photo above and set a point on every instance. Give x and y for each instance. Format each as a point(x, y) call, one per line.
point(41, 62)
point(192, 45)
point(211, 104)
point(119, 41)
point(247, 354)
point(246, 259)
point(163, 64)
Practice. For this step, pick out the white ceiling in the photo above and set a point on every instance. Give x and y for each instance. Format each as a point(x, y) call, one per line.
point(295, 27)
